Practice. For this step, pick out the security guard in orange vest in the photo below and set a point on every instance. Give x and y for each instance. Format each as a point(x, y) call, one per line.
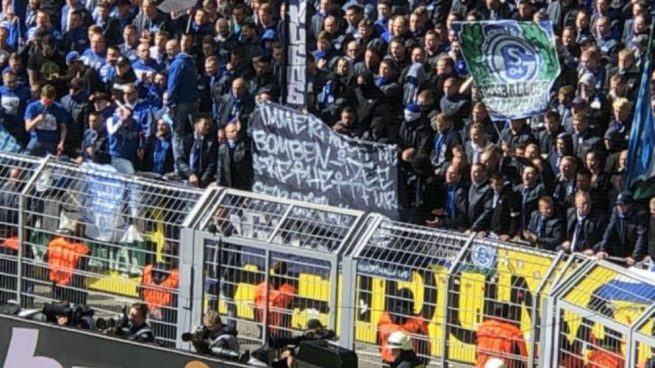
point(280, 296)
point(498, 338)
point(400, 317)
point(608, 351)
point(8, 268)
point(66, 256)
point(158, 290)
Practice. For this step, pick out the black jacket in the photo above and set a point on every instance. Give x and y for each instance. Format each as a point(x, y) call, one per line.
point(512, 140)
point(234, 166)
point(416, 134)
point(207, 164)
point(586, 142)
point(480, 206)
point(563, 192)
point(626, 237)
point(226, 108)
point(553, 231)
point(591, 232)
point(506, 216)
point(451, 138)
point(528, 202)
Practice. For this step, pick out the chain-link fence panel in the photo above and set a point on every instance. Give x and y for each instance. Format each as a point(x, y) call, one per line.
point(401, 277)
point(98, 238)
point(271, 265)
point(491, 300)
point(15, 174)
point(595, 313)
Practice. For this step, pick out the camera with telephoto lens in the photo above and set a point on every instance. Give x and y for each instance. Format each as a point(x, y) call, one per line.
point(77, 315)
point(198, 335)
point(114, 325)
point(201, 340)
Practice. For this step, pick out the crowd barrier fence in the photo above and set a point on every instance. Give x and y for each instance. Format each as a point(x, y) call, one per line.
point(185, 251)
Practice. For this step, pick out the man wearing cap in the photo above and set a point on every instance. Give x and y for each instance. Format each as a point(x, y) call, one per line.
point(403, 354)
point(399, 317)
point(626, 235)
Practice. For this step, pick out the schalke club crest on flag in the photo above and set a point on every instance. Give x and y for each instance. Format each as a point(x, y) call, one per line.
point(514, 65)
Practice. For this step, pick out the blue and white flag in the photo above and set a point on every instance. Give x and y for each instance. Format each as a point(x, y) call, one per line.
point(102, 203)
point(641, 163)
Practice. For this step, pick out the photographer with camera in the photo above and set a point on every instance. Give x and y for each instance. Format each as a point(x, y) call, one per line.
point(314, 331)
point(139, 330)
point(214, 338)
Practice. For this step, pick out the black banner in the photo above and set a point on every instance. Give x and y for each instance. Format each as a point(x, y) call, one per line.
point(295, 43)
point(296, 156)
point(29, 344)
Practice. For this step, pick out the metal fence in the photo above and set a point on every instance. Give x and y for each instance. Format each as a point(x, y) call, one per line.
point(269, 265)
point(91, 236)
point(251, 241)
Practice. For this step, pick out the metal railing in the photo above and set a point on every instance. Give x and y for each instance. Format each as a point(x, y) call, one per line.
point(269, 265)
point(91, 236)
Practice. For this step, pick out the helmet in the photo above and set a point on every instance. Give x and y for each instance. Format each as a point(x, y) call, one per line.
point(494, 363)
point(399, 340)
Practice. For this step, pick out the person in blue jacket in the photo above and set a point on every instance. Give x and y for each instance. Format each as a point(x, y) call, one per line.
point(182, 91)
point(125, 133)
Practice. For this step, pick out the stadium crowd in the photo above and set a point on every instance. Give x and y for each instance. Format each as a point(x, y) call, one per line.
point(119, 82)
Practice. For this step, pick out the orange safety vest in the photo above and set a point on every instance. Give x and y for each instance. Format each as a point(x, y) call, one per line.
point(414, 325)
point(604, 359)
point(281, 298)
point(10, 243)
point(63, 257)
point(496, 339)
point(159, 295)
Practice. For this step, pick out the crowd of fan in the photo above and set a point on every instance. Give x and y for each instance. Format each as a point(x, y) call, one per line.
point(119, 82)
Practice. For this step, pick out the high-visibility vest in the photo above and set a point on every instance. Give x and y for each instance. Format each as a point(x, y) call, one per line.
point(414, 325)
point(281, 298)
point(63, 257)
point(159, 295)
point(496, 339)
point(10, 243)
point(604, 359)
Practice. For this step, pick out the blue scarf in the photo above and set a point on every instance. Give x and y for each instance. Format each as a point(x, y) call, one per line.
point(159, 156)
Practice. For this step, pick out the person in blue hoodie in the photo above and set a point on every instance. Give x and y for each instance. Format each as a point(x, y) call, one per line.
point(13, 101)
point(182, 91)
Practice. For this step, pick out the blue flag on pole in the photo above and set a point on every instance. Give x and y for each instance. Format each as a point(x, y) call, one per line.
point(641, 165)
